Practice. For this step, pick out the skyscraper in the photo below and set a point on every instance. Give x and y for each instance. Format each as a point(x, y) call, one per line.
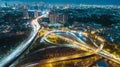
point(58, 17)
point(25, 12)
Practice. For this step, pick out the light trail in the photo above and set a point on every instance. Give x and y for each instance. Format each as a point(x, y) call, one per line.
point(25, 43)
point(98, 51)
point(55, 59)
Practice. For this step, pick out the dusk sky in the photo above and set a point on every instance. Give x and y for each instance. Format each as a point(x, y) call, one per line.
point(99, 2)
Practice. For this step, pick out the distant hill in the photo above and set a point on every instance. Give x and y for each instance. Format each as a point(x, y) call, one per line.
point(99, 2)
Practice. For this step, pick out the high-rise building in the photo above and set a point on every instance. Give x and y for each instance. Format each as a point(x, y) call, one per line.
point(25, 12)
point(53, 17)
point(58, 17)
point(33, 13)
point(63, 18)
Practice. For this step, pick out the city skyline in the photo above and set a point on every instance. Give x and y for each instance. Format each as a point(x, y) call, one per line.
point(96, 2)
point(59, 33)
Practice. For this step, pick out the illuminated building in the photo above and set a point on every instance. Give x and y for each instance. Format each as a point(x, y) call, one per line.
point(25, 13)
point(63, 18)
point(58, 17)
point(53, 17)
point(33, 13)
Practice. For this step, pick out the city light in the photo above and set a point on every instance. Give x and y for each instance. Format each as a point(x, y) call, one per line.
point(59, 33)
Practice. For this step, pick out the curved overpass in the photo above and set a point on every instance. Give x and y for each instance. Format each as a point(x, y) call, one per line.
point(84, 43)
point(69, 35)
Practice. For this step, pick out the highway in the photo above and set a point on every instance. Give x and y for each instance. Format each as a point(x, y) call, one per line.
point(75, 43)
point(79, 45)
point(85, 44)
point(40, 56)
point(23, 46)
